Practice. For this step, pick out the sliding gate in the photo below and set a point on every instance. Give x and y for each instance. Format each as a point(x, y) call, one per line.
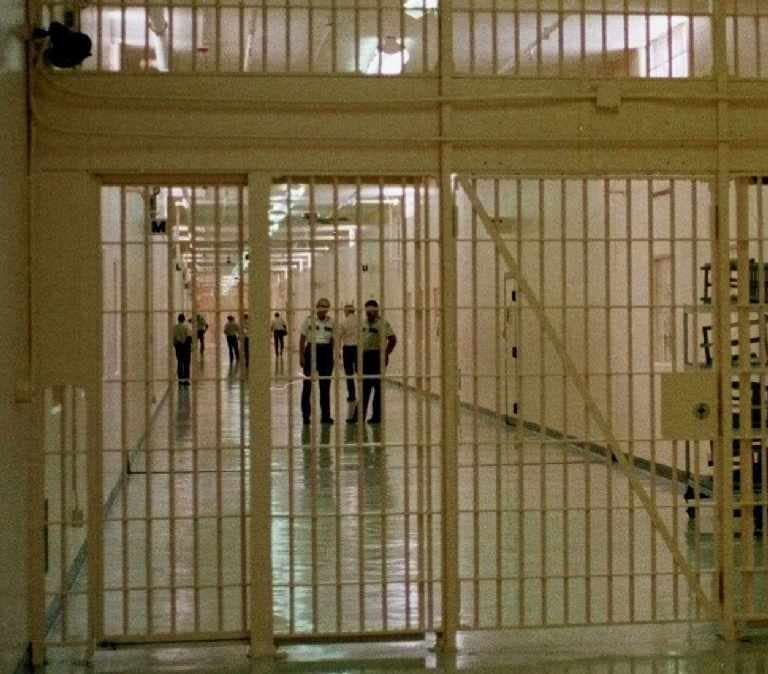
point(204, 504)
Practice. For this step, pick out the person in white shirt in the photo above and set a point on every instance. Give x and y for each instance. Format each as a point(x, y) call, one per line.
point(317, 336)
point(279, 331)
point(182, 344)
point(373, 329)
point(232, 331)
point(349, 335)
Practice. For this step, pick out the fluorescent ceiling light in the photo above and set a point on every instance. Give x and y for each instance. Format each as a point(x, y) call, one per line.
point(417, 8)
point(389, 58)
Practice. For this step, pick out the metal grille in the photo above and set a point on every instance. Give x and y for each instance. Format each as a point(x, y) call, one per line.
point(746, 25)
point(365, 37)
point(743, 351)
point(574, 509)
point(511, 38)
point(583, 38)
point(175, 456)
point(356, 507)
point(62, 600)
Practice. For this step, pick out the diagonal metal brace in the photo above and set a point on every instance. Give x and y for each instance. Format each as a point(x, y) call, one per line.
point(592, 407)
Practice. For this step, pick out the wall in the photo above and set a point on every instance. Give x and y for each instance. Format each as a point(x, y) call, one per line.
point(14, 346)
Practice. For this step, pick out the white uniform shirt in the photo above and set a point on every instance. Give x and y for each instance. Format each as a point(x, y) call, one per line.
point(181, 333)
point(245, 327)
point(317, 331)
point(231, 328)
point(350, 330)
point(372, 333)
point(278, 324)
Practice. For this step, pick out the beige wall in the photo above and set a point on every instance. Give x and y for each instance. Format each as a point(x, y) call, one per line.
point(14, 345)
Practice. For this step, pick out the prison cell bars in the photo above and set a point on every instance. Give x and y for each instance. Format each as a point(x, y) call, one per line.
point(656, 574)
point(152, 521)
point(484, 30)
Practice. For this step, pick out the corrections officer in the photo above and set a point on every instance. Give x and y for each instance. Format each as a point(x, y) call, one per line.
point(348, 335)
point(318, 331)
point(372, 331)
point(202, 328)
point(232, 332)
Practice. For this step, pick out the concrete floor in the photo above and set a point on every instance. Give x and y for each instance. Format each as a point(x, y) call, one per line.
point(347, 525)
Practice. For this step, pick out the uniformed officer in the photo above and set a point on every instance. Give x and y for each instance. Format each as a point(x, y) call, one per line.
point(232, 332)
point(373, 329)
point(279, 331)
point(202, 328)
point(182, 344)
point(318, 331)
point(349, 334)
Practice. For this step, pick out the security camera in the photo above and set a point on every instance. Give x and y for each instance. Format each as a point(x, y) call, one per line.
point(66, 48)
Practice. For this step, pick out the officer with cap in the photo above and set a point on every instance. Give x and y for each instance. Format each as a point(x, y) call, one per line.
point(372, 331)
point(317, 336)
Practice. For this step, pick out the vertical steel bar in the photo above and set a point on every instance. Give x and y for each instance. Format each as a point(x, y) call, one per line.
point(744, 405)
point(260, 440)
point(337, 438)
point(520, 440)
point(172, 403)
point(475, 538)
point(652, 281)
point(629, 219)
point(407, 395)
point(383, 233)
point(124, 376)
point(361, 527)
point(218, 445)
point(448, 348)
point(246, 447)
point(610, 378)
point(149, 392)
point(194, 225)
point(564, 397)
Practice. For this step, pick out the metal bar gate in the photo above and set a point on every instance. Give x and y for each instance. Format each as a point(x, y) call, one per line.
point(280, 477)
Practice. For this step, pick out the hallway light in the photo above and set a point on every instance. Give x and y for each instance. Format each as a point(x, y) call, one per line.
point(417, 8)
point(390, 58)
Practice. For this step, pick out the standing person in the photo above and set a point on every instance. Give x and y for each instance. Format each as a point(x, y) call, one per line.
point(246, 340)
point(349, 335)
point(279, 331)
point(318, 331)
point(232, 331)
point(372, 331)
point(182, 344)
point(202, 328)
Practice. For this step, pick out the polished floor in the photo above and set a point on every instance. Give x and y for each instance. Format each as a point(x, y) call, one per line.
point(615, 650)
point(550, 538)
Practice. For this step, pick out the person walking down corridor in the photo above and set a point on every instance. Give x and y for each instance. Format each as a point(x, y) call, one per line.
point(317, 335)
point(372, 331)
point(182, 344)
point(246, 340)
point(232, 332)
point(349, 335)
point(279, 331)
point(202, 327)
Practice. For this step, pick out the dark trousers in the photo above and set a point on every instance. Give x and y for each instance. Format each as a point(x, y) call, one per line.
point(246, 349)
point(201, 340)
point(279, 337)
point(372, 366)
point(183, 358)
point(234, 348)
point(324, 370)
point(349, 354)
